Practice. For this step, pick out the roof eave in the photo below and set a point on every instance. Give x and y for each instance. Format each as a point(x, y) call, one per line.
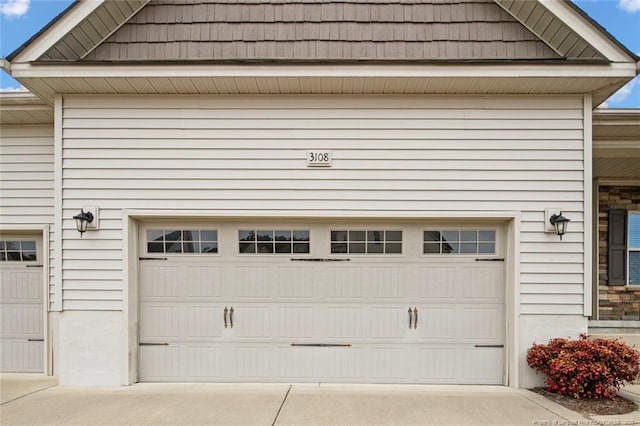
point(37, 35)
point(603, 30)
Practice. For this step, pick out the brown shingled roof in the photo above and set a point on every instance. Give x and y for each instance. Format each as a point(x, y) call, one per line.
point(320, 30)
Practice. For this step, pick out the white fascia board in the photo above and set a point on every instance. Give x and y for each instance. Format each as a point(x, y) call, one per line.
point(25, 70)
point(57, 31)
point(5, 65)
point(587, 31)
point(324, 214)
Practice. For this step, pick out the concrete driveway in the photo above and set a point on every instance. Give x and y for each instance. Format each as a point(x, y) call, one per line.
point(275, 404)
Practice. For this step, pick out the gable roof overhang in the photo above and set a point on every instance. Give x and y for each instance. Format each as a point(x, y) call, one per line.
point(23, 108)
point(399, 79)
point(616, 144)
point(589, 61)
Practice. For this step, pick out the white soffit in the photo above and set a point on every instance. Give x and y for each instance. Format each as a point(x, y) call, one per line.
point(24, 108)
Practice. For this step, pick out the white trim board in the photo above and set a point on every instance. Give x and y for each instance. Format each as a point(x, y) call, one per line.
point(625, 69)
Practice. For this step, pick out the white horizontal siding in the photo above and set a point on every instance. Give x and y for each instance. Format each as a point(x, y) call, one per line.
point(26, 182)
point(242, 154)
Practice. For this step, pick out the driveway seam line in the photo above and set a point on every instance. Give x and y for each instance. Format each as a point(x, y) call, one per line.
point(30, 393)
point(281, 405)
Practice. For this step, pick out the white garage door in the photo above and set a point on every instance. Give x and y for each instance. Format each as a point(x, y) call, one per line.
point(21, 335)
point(378, 303)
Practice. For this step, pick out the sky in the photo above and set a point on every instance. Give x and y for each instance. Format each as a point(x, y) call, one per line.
point(20, 19)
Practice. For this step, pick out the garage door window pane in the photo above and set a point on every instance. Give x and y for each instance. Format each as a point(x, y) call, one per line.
point(247, 248)
point(191, 247)
point(208, 235)
point(28, 256)
point(393, 248)
point(28, 245)
point(370, 241)
point(300, 235)
point(282, 235)
point(265, 248)
point(178, 241)
point(301, 248)
point(449, 248)
point(339, 236)
point(282, 248)
point(466, 248)
point(459, 241)
point(18, 251)
point(273, 241)
point(487, 236)
point(357, 235)
point(486, 248)
point(208, 247)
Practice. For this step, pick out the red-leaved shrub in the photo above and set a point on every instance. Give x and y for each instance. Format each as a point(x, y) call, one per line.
point(585, 368)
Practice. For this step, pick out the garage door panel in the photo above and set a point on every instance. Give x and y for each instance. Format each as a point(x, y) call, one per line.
point(436, 364)
point(460, 365)
point(483, 284)
point(22, 320)
point(344, 364)
point(480, 365)
point(387, 283)
point(299, 363)
point(202, 282)
point(20, 355)
point(160, 322)
point(345, 322)
point(204, 362)
point(481, 323)
point(294, 283)
point(437, 283)
point(386, 363)
point(254, 321)
point(461, 283)
point(204, 321)
point(345, 283)
point(161, 363)
point(387, 323)
point(256, 362)
point(296, 322)
point(253, 282)
point(160, 281)
point(21, 286)
point(437, 323)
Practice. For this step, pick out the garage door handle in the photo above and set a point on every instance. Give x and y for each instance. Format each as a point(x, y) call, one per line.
point(153, 344)
point(415, 318)
point(35, 340)
point(224, 315)
point(488, 346)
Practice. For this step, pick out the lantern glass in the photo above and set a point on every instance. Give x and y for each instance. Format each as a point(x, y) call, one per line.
point(81, 224)
point(560, 223)
point(561, 227)
point(83, 219)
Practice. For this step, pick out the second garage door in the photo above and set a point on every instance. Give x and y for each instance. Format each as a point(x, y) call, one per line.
point(328, 302)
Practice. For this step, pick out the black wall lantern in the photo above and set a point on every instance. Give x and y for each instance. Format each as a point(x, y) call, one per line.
point(83, 219)
point(560, 223)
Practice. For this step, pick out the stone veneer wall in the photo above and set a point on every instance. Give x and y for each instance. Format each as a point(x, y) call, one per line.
point(615, 302)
